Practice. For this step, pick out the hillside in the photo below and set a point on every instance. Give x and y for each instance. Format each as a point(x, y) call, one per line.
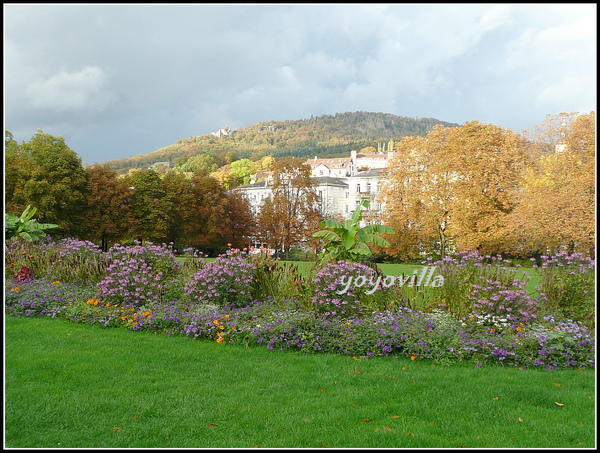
point(324, 136)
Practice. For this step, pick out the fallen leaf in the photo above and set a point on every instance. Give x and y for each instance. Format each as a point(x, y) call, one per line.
point(84, 335)
point(135, 418)
point(355, 358)
point(558, 385)
point(366, 420)
point(559, 404)
point(373, 374)
point(320, 390)
point(395, 416)
point(411, 434)
point(117, 429)
point(495, 399)
point(520, 420)
point(354, 405)
point(212, 425)
point(324, 445)
point(388, 429)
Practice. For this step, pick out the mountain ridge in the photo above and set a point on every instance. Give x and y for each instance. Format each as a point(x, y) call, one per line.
point(325, 136)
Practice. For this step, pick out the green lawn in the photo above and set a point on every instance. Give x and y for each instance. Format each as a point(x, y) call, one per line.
point(76, 386)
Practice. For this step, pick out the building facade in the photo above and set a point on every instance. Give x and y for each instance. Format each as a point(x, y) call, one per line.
point(341, 184)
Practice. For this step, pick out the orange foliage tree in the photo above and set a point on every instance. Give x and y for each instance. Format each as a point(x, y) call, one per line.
point(557, 198)
point(453, 189)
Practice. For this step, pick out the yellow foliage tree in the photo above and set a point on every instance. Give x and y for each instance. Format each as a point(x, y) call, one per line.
point(453, 189)
point(557, 200)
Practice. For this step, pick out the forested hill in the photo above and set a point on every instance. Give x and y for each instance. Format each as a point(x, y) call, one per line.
point(324, 136)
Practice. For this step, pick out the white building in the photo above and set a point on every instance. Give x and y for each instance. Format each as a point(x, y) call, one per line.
point(340, 185)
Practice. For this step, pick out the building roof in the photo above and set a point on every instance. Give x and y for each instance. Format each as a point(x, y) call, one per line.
point(372, 173)
point(382, 156)
point(331, 163)
point(330, 181)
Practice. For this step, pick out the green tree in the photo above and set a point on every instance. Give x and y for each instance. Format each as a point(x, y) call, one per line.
point(349, 241)
point(52, 179)
point(150, 206)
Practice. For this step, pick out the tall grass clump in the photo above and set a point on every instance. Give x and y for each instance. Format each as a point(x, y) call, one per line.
point(567, 285)
point(277, 281)
point(67, 259)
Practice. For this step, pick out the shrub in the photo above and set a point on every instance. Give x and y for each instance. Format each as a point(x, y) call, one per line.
point(332, 279)
point(138, 275)
point(568, 286)
point(495, 300)
point(466, 271)
point(228, 279)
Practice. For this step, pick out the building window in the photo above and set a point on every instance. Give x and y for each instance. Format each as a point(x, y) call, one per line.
point(368, 187)
point(358, 188)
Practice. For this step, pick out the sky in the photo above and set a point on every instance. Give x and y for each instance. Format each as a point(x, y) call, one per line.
point(118, 80)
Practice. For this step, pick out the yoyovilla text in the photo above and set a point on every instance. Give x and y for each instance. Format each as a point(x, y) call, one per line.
point(386, 281)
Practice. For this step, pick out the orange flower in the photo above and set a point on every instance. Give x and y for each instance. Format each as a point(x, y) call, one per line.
point(220, 340)
point(492, 330)
point(412, 357)
point(518, 327)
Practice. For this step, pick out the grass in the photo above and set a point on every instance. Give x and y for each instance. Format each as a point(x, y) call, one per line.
point(76, 386)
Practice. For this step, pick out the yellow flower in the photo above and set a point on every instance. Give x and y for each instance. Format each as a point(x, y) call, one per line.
point(220, 340)
point(226, 316)
point(222, 327)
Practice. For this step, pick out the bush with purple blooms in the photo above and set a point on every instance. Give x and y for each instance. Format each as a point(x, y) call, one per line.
point(568, 286)
point(227, 280)
point(496, 300)
point(145, 288)
point(468, 272)
point(138, 275)
point(330, 281)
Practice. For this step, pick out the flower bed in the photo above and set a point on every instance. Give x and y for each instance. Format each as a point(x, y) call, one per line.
point(221, 301)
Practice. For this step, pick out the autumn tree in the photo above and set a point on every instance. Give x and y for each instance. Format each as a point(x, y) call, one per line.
point(209, 212)
point(239, 225)
point(291, 216)
point(557, 198)
point(106, 215)
point(454, 188)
